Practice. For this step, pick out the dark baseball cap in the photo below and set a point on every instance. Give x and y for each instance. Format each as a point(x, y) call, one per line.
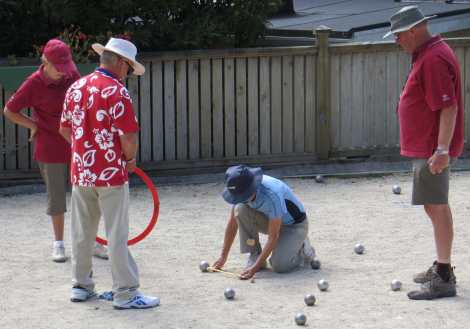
point(241, 182)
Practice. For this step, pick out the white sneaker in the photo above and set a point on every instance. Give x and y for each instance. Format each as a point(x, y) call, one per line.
point(100, 251)
point(80, 294)
point(58, 254)
point(137, 302)
point(252, 260)
point(307, 251)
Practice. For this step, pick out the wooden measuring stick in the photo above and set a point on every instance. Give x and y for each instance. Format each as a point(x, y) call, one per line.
point(213, 269)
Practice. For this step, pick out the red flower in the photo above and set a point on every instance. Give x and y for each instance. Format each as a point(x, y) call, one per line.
point(125, 36)
point(82, 36)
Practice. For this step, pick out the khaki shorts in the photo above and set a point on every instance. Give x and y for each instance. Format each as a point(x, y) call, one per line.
point(55, 176)
point(429, 188)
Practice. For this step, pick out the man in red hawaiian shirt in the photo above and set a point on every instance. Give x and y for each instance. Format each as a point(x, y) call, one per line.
point(99, 121)
point(430, 113)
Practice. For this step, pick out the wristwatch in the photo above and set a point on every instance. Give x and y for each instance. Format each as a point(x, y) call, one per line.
point(441, 151)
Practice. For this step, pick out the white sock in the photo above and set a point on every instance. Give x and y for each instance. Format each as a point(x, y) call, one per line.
point(59, 243)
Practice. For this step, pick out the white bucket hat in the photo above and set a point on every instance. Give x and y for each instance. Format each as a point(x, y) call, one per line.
point(123, 48)
point(405, 19)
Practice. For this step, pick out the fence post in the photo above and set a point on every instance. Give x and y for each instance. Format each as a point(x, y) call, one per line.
point(323, 92)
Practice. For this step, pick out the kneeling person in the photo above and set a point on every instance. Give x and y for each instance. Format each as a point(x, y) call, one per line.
point(264, 204)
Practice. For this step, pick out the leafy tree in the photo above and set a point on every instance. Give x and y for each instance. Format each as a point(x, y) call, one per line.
point(152, 24)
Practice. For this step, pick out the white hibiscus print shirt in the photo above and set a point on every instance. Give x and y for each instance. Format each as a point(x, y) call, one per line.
point(104, 138)
point(98, 157)
point(87, 178)
point(77, 116)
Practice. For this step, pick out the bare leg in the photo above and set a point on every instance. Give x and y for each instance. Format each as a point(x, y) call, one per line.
point(58, 226)
point(441, 218)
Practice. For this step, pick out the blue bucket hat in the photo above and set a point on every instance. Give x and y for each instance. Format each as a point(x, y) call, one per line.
point(241, 182)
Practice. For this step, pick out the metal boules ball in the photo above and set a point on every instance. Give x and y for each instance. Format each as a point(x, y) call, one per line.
point(319, 179)
point(359, 248)
point(315, 264)
point(323, 285)
point(310, 300)
point(229, 293)
point(396, 189)
point(203, 266)
point(395, 285)
point(300, 319)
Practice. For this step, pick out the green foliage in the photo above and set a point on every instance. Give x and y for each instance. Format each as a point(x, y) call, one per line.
point(152, 24)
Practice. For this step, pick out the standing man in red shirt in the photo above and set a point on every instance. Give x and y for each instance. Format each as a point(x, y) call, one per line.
point(44, 91)
point(99, 121)
point(430, 113)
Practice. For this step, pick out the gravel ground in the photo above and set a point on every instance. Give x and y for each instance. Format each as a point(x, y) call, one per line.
point(342, 212)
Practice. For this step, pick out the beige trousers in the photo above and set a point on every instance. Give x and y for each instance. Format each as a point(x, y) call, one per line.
point(88, 204)
point(286, 255)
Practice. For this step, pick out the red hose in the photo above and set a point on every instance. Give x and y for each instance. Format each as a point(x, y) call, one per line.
point(156, 208)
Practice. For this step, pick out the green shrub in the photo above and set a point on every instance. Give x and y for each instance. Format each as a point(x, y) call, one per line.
point(153, 25)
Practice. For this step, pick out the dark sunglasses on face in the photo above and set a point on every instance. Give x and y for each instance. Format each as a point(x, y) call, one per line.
point(130, 69)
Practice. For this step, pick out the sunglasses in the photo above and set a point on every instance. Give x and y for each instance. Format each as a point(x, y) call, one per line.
point(130, 69)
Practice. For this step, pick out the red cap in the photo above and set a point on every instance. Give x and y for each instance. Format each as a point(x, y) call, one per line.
point(59, 54)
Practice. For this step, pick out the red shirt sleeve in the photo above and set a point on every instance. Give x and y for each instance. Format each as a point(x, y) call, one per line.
point(22, 98)
point(66, 117)
point(438, 83)
point(123, 118)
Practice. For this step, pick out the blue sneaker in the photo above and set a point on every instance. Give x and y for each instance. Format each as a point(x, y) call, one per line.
point(137, 302)
point(107, 295)
point(80, 294)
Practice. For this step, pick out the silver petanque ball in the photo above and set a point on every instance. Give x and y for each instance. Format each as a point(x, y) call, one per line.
point(315, 264)
point(229, 293)
point(396, 189)
point(319, 179)
point(359, 248)
point(300, 319)
point(323, 285)
point(310, 300)
point(203, 266)
point(395, 285)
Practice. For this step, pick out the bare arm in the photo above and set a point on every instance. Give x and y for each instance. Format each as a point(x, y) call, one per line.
point(66, 133)
point(129, 145)
point(446, 126)
point(273, 236)
point(438, 162)
point(230, 233)
point(129, 148)
point(22, 120)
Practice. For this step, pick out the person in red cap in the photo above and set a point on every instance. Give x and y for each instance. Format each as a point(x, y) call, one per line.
point(44, 92)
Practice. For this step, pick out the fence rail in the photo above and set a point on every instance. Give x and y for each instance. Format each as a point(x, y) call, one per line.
point(199, 109)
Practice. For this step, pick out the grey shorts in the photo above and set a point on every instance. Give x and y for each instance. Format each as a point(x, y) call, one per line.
point(429, 188)
point(55, 176)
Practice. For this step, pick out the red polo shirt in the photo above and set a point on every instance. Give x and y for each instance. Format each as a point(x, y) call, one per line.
point(46, 97)
point(433, 84)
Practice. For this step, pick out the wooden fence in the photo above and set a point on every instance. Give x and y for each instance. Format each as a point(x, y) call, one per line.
point(201, 109)
point(205, 108)
point(366, 80)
